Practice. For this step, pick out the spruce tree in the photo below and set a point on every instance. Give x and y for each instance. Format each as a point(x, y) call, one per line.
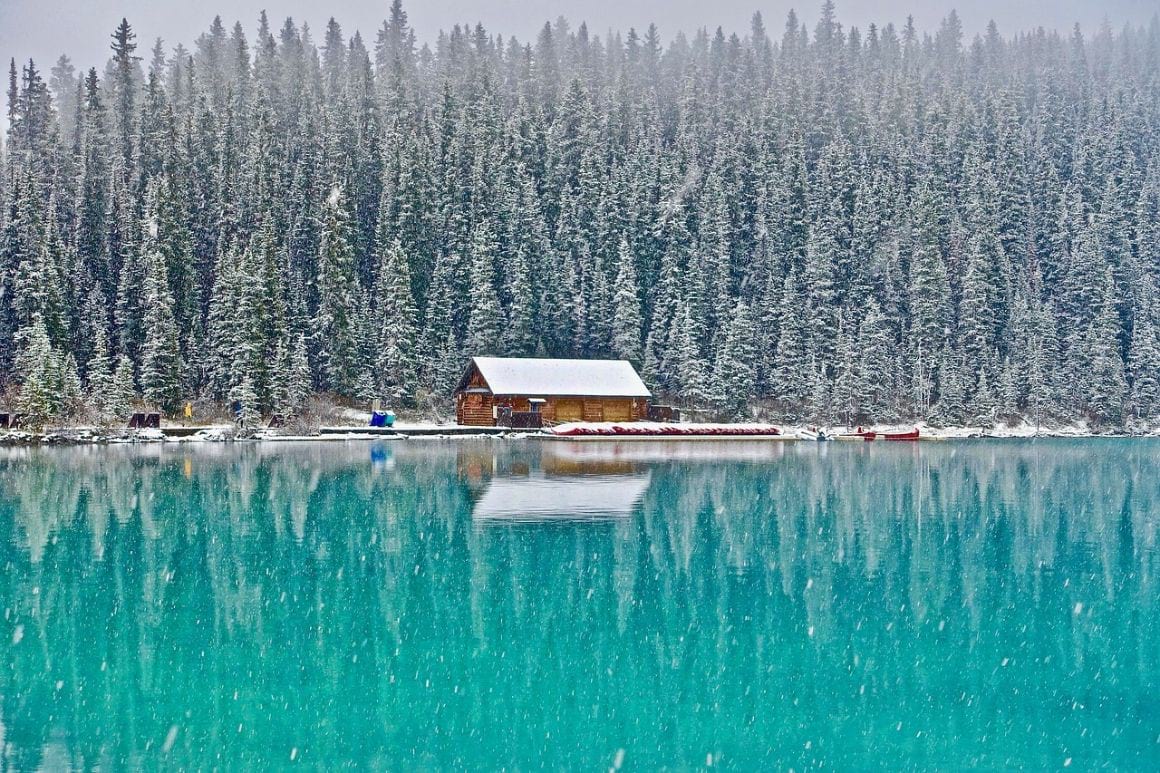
point(521, 336)
point(876, 369)
point(338, 297)
point(734, 372)
point(792, 376)
point(161, 382)
point(692, 369)
point(1107, 385)
point(929, 298)
point(950, 408)
point(1145, 358)
point(100, 375)
point(249, 419)
point(71, 389)
point(626, 321)
point(298, 386)
point(123, 393)
point(849, 390)
point(396, 360)
point(39, 370)
point(485, 327)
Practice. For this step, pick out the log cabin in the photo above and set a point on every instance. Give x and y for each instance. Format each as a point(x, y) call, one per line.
point(557, 390)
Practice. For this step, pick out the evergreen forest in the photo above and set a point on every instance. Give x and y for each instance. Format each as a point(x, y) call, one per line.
point(825, 224)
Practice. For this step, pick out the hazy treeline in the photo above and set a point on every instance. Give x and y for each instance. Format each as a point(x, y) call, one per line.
point(876, 223)
point(345, 604)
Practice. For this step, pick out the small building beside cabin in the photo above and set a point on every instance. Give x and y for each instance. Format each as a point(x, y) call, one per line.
point(557, 390)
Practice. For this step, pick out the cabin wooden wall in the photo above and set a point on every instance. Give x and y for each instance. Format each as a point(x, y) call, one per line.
point(476, 409)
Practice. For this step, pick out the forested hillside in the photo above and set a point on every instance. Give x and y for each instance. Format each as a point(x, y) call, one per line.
point(835, 224)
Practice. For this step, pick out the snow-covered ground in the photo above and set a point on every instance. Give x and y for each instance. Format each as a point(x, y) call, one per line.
point(357, 420)
point(1023, 430)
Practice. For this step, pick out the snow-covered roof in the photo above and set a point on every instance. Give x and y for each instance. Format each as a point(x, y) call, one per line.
point(551, 498)
point(570, 378)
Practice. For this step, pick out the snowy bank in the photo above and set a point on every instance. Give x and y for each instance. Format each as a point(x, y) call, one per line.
point(420, 430)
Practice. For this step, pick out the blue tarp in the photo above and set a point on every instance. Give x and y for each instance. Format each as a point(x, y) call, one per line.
point(382, 419)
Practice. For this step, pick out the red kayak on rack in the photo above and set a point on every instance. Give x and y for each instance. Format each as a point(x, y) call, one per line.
point(655, 430)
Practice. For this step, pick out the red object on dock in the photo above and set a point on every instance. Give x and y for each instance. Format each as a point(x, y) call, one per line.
point(643, 429)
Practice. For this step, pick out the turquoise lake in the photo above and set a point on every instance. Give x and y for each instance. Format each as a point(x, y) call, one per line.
point(489, 604)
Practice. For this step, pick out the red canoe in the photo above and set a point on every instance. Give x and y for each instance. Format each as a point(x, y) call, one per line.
point(665, 430)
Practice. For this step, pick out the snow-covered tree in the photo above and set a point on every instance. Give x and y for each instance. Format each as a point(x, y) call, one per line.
point(161, 353)
point(486, 323)
point(38, 367)
point(335, 324)
point(735, 371)
point(626, 321)
point(396, 360)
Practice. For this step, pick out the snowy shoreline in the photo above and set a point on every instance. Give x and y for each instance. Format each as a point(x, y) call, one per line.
point(430, 431)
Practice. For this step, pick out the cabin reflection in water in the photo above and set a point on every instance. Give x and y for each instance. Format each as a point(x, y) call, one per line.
point(545, 486)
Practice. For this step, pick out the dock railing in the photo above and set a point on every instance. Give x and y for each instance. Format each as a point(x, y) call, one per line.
point(519, 419)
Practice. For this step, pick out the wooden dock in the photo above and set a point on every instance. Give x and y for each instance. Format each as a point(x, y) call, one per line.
point(405, 431)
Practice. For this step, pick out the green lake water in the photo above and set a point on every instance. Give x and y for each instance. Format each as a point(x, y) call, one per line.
point(485, 604)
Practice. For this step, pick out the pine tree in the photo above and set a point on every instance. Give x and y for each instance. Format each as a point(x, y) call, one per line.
point(626, 322)
point(485, 327)
point(1107, 387)
point(448, 365)
point(983, 403)
point(125, 88)
point(123, 393)
point(100, 375)
point(792, 378)
point(249, 419)
point(819, 281)
point(38, 368)
point(950, 409)
point(521, 335)
point(71, 390)
point(1145, 358)
point(734, 373)
point(659, 367)
point(441, 341)
point(929, 294)
point(396, 363)
point(338, 297)
point(161, 353)
point(295, 386)
point(692, 370)
point(876, 372)
point(848, 386)
point(976, 316)
point(820, 406)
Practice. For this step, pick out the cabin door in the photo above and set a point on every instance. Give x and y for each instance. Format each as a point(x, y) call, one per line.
point(569, 410)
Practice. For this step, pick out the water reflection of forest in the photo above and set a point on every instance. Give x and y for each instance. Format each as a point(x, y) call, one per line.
point(342, 600)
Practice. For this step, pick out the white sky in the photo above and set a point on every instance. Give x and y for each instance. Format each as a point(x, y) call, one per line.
point(44, 29)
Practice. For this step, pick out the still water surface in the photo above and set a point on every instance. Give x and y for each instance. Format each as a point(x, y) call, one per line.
point(486, 604)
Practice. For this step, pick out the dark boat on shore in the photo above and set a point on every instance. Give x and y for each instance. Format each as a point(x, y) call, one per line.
point(867, 435)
